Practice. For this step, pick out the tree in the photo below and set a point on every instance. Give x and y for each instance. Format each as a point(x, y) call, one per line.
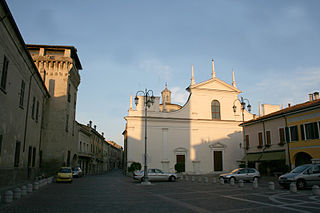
point(179, 167)
point(134, 167)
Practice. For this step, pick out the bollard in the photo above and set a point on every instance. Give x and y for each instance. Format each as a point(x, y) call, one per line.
point(192, 178)
point(17, 194)
point(255, 184)
point(35, 186)
point(241, 184)
point(50, 179)
point(199, 179)
point(271, 186)
point(221, 181)
point(187, 178)
point(293, 187)
point(206, 179)
point(8, 196)
point(232, 181)
point(214, 180)
point(23, 191)
point(29, 188)
point(316, 190)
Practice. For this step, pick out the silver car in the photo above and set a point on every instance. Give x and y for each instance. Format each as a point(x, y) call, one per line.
point(304, 176)
point(245, 174)
point(155, 175)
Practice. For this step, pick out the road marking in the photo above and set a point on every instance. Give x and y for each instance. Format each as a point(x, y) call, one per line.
point(183, 204)
point(266, 204)
point(316, 198)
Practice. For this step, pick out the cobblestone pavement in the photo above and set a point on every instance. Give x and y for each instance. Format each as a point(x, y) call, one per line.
point(116, 193)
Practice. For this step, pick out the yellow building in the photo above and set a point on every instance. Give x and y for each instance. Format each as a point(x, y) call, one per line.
point(303, 127)
point(288, 136)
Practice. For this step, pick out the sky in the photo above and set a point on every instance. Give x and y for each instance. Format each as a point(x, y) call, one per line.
point(125, 46)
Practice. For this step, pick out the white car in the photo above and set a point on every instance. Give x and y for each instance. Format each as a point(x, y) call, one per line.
point(155, 175)
point(305, 175)
point(245, 174)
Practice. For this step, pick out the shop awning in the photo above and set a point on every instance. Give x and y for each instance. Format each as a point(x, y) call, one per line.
point(265, 156)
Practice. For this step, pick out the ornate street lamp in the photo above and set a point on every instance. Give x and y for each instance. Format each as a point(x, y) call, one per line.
point(243, 107)
point(148, 101)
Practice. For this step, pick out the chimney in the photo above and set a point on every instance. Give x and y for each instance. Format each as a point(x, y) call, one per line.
point(289, 105)
point(95, 127)
point(311, 97)
point(90, 123)
point(102, 133)
point(316, 95)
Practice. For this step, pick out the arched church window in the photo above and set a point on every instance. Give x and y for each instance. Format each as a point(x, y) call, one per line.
point(215, 110)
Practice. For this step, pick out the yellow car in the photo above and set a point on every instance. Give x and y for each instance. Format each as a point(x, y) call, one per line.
point(64, 175)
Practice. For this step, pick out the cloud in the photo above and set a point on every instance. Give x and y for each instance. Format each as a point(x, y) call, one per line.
point(179, 95)
point(156, 67)
point(287, 87)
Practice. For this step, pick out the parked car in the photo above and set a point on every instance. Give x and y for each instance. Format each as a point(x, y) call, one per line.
point(245, 174)
point(77, 172)
point(155, 175)
point(64, 175)
point(305, 175)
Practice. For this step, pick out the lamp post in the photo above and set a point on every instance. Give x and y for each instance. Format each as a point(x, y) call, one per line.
point(243, 107)
point(148, 100)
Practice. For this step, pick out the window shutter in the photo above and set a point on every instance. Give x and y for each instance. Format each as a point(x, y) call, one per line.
point(302, 132)
point(287, 135)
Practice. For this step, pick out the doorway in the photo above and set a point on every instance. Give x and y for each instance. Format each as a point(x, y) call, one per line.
point(181, 160)
point(217, 156)
point(302, 158)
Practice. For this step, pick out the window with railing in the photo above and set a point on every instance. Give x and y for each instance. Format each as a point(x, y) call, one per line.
point(260, 138)
point(4, 73)
point(293, 133)
point(281, 136)
point(268, 134)
point(312, 131)
point(21, 100)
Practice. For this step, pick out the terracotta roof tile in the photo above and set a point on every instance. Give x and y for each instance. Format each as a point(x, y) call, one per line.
point(287, 110)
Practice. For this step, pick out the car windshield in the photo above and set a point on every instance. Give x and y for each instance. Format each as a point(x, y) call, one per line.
point(235, 170)
point(65, 170)
point(300, 169)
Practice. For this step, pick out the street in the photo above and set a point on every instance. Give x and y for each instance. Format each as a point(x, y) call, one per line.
point(114, 192)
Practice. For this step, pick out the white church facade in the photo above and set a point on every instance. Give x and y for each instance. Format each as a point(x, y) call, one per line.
point(204, 133)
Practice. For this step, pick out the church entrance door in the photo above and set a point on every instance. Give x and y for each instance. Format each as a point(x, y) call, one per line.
point(217, 160)
point(181, 159)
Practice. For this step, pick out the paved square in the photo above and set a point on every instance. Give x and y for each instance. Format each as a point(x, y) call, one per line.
point(116, 193)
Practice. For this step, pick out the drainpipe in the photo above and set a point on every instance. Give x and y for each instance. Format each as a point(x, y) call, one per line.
point(27, 113)
point(41, 129)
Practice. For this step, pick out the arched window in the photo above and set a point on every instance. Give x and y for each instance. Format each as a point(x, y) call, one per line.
point(215, 110)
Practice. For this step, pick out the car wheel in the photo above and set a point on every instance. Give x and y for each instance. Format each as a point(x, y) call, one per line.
point(221, 180)
point(301, 184)
point(142, 179)
point(172, 178)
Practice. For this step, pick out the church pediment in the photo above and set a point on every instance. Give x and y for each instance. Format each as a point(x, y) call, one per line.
point(215, 84)
point(217, 145)
point(180, 149)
